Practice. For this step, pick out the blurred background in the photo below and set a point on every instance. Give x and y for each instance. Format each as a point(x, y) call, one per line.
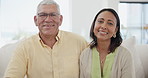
point(16, 18)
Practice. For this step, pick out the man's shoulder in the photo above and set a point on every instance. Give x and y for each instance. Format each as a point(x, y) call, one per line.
point(71, 35)
point(28, 40)
point(68, 33)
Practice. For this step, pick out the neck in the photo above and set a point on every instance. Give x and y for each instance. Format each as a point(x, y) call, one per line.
point(48, 40)
point(103, 46)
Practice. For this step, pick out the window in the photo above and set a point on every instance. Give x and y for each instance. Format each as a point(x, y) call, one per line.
point(134, 21)
point(16, 19)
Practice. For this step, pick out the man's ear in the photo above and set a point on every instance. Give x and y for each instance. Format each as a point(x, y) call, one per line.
point(61, 19)
point(35, 20)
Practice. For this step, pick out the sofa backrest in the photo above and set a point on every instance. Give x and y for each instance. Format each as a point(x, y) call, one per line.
point(142, 50)
point(130, 44)
point(5, 56)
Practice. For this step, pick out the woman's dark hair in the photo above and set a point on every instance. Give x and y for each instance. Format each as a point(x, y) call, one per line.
point(115, 42)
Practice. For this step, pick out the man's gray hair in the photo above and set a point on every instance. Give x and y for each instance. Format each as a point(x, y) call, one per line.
point(48, 2)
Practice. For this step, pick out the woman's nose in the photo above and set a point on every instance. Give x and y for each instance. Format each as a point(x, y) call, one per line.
point(103, 26)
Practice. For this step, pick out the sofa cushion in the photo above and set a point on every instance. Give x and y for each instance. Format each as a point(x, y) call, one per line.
point(130, 44)
point(5, 56)
point(143, 53)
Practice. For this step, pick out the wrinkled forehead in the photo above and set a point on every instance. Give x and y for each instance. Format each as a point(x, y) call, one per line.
point(48, 8)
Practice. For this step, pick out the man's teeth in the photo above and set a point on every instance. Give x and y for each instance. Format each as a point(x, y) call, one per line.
point(49, 25)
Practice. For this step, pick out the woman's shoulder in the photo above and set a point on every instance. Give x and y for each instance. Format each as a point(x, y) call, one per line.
point(86, 52)
point(123, 52)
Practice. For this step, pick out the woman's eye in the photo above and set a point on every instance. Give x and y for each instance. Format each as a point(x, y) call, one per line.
point(100, 21)
point(110, 23)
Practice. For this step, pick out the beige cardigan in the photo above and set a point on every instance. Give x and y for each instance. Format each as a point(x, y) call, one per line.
point(122, 67)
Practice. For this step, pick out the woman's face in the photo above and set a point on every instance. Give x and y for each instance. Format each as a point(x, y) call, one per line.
point(105, 26)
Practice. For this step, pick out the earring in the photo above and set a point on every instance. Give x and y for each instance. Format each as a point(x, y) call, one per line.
point(114, 35)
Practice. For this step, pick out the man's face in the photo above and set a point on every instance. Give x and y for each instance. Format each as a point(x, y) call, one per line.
point(48, 20)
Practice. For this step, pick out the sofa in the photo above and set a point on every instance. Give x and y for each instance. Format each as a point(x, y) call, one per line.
point(143, 53)
point(140, 56)
point(138, 51)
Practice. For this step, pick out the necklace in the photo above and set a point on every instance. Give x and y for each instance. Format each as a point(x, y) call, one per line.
point(102, 64)
point(104, 53)
point(102, 60)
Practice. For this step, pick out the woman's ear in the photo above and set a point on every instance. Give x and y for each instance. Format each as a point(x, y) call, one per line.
point(114, 35)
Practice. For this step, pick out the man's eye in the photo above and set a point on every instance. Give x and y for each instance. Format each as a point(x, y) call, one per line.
point(43, 15)
point(53, 15)
point(110, 23)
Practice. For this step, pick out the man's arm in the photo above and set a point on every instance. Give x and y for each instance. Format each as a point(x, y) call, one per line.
point(18, 64)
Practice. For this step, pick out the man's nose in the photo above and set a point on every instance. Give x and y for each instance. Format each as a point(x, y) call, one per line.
point(49, 18)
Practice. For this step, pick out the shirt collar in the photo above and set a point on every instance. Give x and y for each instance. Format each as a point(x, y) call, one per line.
point(58, 37)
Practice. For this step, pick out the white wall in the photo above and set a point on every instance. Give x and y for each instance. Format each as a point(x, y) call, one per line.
point(84, 11)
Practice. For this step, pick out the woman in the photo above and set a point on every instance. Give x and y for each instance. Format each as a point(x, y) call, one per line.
point(105, 57)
